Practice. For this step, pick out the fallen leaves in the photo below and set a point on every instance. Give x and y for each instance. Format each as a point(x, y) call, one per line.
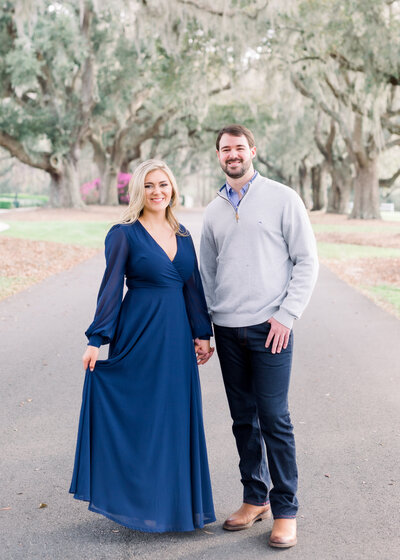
point(26, 262)
point(22, 403)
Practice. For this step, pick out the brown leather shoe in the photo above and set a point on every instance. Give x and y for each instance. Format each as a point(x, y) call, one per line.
point(246, 516)
point(283, 534)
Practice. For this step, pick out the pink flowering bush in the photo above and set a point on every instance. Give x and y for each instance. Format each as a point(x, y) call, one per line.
point(90, 191)
point(123, 182)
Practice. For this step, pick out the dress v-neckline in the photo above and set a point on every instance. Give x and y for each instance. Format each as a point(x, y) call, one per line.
point(159, 246)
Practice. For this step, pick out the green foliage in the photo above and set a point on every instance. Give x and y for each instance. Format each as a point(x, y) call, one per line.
point(349, 251)
point(166, 58)
point(23, 67)
point(6, 204)
point(356, 43)
point(41, 109)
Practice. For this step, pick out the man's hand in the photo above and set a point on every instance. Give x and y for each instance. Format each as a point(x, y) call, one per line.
point(203, 350)
point(89, 358)
point(278, 335)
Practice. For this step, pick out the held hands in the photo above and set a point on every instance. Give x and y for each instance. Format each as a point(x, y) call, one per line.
point(203, 350)
point(89, 358)
point(278, 335)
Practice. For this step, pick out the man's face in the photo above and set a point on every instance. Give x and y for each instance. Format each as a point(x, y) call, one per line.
point(235, 156)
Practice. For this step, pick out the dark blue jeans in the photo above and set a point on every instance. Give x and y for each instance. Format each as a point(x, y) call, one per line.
point(257, 383)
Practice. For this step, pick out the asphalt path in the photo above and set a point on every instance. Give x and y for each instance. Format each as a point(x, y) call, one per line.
point(345, 404)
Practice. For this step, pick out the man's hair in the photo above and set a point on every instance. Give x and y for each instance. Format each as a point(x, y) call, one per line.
point(236, 130)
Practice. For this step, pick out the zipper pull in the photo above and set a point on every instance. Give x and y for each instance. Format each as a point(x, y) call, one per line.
point(237, 216)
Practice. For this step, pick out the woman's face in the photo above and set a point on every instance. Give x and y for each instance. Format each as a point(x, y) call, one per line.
point(157, 191)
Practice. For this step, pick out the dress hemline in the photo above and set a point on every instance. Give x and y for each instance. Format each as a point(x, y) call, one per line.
point(141, 529)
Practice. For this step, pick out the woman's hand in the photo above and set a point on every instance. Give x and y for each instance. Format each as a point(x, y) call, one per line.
point(203, 350)
point(89, 358)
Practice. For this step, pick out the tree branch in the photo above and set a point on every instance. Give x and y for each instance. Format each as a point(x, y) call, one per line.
point(223, 13)
point(218, 90)
point(390, 126)
point(392, 144)
point(390, 181)
point(341, 96)
point(308, 58)
point(150, 132)
point(272, 167)
point(325, 149)
point(17, 150)
point(345, 63)
point(324, 107)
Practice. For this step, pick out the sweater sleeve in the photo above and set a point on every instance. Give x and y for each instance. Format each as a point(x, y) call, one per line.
point(196, 306)
point(300, 240)
point(208, 262)
point(109, 300)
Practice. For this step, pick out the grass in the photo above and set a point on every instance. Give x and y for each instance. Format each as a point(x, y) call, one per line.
point(8, 283)
point(7, 200)
point(347, 251)
point(351, 228)
point(389, 294)
point(89, 234)
point(40, 197)
point(391, 216)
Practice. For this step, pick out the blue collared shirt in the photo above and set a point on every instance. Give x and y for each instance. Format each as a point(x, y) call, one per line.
point(233, 195)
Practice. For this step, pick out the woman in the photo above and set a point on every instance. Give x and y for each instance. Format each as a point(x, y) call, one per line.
point(141, 457)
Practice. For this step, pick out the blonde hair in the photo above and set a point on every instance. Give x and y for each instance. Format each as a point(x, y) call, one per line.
point(137, 196)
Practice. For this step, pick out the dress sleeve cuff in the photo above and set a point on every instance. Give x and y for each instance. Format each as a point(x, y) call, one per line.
point(95, 340)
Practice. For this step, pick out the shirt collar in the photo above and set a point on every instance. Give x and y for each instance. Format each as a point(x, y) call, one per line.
point(243, 190)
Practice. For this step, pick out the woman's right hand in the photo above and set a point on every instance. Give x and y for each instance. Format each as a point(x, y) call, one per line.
point(89, 358)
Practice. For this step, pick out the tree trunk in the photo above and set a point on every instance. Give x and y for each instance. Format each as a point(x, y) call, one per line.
point(64, 185)
point(304, 189)
point(318, 194)
point(125, 166)
point(108, 186)
point(339, 192)
point(366, 192)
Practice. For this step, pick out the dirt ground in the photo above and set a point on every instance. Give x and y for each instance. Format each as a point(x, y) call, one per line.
point(26, 262)
point(88, 214)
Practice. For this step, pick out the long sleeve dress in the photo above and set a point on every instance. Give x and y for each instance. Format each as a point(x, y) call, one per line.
point(141, 456)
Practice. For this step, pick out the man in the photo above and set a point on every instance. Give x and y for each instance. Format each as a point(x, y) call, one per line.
point(259, 266)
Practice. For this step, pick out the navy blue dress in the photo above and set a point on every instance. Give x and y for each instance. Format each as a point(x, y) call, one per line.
point(141, 456)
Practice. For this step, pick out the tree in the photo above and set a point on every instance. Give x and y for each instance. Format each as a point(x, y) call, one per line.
point(48, 91)
point(351, 78)
point(146, 89)
point(339, 167)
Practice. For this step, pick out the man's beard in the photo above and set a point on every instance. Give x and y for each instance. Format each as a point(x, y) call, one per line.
point(237, 173)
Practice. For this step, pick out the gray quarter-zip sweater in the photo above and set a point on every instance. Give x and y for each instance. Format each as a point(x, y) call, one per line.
point(261, 261)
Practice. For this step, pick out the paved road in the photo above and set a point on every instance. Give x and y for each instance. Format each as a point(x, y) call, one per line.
point(345, 407)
